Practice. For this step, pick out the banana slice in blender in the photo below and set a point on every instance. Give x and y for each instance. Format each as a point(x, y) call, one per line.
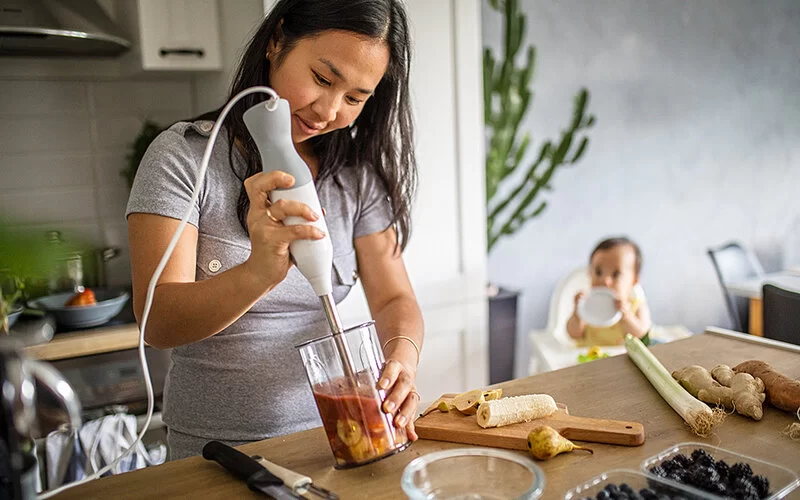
point(349, 431)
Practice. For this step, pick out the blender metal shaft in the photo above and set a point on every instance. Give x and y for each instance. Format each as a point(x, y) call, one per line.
point(335, 323)
point(331, 313)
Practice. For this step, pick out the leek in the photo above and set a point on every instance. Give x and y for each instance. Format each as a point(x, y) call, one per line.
point(700, 418)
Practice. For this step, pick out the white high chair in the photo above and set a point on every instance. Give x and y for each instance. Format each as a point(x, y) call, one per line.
point(553, 348)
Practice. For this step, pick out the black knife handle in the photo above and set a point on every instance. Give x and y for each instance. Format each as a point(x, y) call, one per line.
point(238, 463)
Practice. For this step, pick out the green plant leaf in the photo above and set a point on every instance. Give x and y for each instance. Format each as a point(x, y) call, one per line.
point(581, 148)
point(146, 135)
point(581, 98)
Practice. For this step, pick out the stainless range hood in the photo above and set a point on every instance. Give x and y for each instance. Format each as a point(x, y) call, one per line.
point(58, 28)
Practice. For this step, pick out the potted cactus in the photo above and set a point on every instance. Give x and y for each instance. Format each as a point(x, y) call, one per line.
point(516, 180)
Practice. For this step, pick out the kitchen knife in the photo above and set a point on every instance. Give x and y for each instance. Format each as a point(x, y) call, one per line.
point(257, 477)
point(297, 482)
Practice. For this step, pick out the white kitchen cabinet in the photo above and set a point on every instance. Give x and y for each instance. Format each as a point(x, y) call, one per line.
point(172, 35)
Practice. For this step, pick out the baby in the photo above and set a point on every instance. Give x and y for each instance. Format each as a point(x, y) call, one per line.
point(615, 263)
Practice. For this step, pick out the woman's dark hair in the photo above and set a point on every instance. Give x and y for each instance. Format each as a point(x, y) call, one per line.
point(619, 241)
point(382, 136)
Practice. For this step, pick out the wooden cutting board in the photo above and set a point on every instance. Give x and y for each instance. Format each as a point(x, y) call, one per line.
point(458, 428)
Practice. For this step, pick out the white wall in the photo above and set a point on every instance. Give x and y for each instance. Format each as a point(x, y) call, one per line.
point(697, 142)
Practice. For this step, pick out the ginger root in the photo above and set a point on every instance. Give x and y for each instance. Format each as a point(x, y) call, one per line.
point(782, 391)
point(721, 386)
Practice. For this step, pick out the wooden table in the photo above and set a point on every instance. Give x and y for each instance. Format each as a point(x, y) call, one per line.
point(751, 289)
point(608, 388)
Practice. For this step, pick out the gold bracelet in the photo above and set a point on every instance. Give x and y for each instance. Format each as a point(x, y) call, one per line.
point(403, 337)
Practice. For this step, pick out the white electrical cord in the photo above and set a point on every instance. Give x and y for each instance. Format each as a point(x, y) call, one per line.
point(151, 288)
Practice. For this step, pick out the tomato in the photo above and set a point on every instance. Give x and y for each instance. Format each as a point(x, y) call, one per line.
point(84, 298)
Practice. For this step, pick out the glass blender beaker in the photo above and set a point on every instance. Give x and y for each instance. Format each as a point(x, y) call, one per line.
point(358, 430)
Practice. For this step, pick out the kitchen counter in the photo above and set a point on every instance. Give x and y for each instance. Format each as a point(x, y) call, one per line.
point(87, 342)
point(610, 388)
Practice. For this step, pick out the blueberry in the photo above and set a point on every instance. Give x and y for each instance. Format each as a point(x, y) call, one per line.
point(648, 494)
point(603, 495)
point(657, 470)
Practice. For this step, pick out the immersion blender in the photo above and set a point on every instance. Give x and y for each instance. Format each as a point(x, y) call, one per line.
point(270, 125)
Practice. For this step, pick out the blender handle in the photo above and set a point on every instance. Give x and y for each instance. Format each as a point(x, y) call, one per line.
point(49, 376)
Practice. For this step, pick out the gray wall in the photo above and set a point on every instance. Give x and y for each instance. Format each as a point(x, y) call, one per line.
point(697, 142)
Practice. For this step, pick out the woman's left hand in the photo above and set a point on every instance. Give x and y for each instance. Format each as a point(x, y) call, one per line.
point(402, 397)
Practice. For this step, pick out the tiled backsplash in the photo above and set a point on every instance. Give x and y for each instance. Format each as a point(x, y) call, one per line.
point(63, 144)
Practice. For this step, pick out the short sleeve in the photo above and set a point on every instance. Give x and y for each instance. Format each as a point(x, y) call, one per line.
point(375, 214)
point(166, 178)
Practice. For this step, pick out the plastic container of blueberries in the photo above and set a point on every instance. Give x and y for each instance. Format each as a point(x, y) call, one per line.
point(782, 481)
point(637, 480)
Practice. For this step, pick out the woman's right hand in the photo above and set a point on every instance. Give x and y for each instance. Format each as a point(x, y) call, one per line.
point(269, 258)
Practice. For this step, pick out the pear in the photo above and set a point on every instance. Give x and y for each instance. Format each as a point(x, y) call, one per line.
point(545, 443)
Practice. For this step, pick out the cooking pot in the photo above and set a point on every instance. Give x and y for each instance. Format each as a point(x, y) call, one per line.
point(78, 266)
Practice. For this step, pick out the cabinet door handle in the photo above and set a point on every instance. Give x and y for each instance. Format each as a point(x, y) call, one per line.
point(182, 52)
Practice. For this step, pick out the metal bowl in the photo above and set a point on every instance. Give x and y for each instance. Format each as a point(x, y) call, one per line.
point(14, 314)
point(110, 302)
point(473, 473)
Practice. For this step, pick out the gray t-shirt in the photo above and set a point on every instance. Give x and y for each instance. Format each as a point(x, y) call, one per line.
point(247, 382)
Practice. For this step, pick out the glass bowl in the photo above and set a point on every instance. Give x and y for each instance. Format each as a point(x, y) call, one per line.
point(782, 481)
point(636, 480)
point(472, 474)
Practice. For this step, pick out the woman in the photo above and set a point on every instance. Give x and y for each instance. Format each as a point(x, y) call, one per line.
point(229, 302)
